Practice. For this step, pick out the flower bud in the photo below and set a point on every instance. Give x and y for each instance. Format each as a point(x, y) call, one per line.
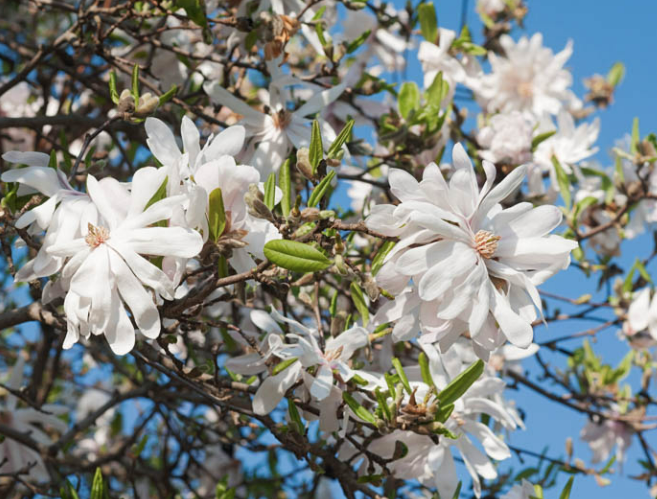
point(303, 163)
point(147, 104)
point(126, 102)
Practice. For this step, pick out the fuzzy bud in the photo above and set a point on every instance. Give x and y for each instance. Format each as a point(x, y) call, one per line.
point(126, 102)
point(303, 163)
point(148, 103)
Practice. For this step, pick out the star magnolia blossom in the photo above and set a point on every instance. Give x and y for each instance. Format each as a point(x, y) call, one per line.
point(603, 437)
point(63, 216)
point(334, 357)
point(435, 58)
point(433, 464)
point(507, 139)
point(523, 490)
point(469, 259)
point(202, 170)
point(15, 456)
point(106, 268)
point(529, 78)
point(272, 136)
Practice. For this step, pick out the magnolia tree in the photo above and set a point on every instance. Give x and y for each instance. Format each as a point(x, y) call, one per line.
point(246, 254)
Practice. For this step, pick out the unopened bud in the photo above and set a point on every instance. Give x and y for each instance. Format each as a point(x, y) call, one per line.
point(310, 214)
point(303, 163)
point(326, 214)
point(126, 102)
point(340, 265)
point(147, 104)
point(569, 448)
point(305, 298)
point(338, 322)
point(371, 288)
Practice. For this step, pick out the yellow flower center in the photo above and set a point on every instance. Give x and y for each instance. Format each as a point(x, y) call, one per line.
point(486, 243)
point(96, 236)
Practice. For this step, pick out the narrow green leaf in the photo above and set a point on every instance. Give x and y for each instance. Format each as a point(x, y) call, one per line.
point(270, 191)
point(459, 385)
point(444, 412)
point(282, 366)
point(542, 137)
point(353, 46)
point(396, 363)
point(636, 137)
point(425, 370)
point(168, 95)
point(564, 183)
point(139, 448)
point(114, 93)
point(285, 183)
point(321, 189)
point(98, 486)
point(437, 91)
point(616, 74)
point(295, 418)
point(409, 98)
point(428, 22)
point(296, 256)
point(159, 195)
point(377, 263)
point(340, 140)
point(216, 214)
point(316, 149)
point(565, 493)
point(333, 308)
point(135, 82)
point(359, 301)
point(358, 409)
point(52, 162)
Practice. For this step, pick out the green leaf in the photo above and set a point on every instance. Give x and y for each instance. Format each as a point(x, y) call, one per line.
point(282, 366)
point(285, 183)
point(168, 95)
point(216, 214)
point(159, 195)
point(444, 412)
point(270, 191)
point(114, 94)
point(139, 448)
point(636, 137)
point(296, 256)
point(565, 493)
point(396, 363)
point(195, 10)
point(564, 183)
point(68, 492)
point(377, 263)
point(409, 98)
point(295, 418)
point(428, 22)
point(358, 409)
point(340, 140)
point(98, 488)
point(353, 46)
point(52, 162)
point(541, 137)
point(135, 83)
point(250, 40)
point(616, 74)
point(359, 301)
point(425, 370)
point(316, 149)
point(437, 91)
point(320, 190)
point(333, 308)
point(459, 385)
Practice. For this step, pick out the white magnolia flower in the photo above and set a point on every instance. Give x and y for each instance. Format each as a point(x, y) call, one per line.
point(432, 464)
point(507, 139)
point(272, 136)
point(491, 7)
point(90, 401)
point(383, 43)
point(640, 327)
point(106, 268)
point(201, 171)
point(603, 437)
point(435, 58)
point(529, 78)
point(63, 216)
point(523, 490)
point(17, 102)
point(334, 357)
point(15, 456)
point(469, 259)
